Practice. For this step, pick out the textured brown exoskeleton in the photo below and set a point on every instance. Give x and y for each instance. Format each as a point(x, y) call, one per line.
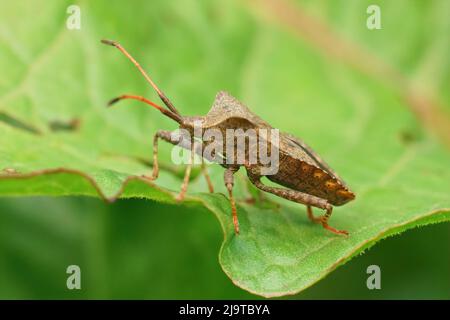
point(307, 178)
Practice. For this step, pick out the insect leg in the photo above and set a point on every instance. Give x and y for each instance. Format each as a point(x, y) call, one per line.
point(174, 139)
point(155, 172)
point(324, 221)
point(166, 136)
point(311, 215)
point(207, 178)
point(302, 198)
point(292, 195)
point(228, 178)
point(187, 175)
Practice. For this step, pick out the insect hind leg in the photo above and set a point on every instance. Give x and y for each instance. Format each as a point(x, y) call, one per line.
point(324, 220)
point(303, 198)
point(311, 215)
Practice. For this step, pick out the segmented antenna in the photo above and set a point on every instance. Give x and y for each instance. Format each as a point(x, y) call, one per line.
point(161, 94)
point(168, 113)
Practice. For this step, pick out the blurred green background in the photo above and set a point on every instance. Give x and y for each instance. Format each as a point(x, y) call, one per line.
point(142, 249)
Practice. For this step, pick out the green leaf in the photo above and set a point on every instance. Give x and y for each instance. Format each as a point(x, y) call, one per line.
point(388, 141)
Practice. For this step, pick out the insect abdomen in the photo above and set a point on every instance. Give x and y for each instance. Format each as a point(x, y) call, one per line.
point(301, 176)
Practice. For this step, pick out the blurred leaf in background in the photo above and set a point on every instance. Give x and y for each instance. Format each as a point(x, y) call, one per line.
point(374, 103)
point(145, 250)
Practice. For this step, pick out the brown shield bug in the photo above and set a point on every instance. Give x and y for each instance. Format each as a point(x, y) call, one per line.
point(306, 177)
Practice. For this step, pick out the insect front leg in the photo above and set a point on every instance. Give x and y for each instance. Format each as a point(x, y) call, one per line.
point(302, 198)
point(177, 140)
point(166, 136)
point(228, 178)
